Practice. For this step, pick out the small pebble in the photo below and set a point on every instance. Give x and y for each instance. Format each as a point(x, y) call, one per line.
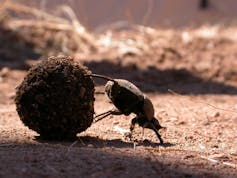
point(4, 72)
point(215, 114)
point(90, 146)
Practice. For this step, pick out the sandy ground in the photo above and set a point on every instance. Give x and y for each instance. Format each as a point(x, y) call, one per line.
point(201, 121)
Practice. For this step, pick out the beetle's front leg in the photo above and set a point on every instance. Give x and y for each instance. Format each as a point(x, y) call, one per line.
point(132, 126)
point(158, 135)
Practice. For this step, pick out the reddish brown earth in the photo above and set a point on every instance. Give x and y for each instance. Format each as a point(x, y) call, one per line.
point(201, 121)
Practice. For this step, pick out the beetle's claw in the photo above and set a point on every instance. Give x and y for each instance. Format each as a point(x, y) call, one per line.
point(128, 136)
point(161, 141)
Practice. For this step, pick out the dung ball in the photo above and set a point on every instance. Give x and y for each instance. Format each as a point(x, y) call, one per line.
point(56, 98)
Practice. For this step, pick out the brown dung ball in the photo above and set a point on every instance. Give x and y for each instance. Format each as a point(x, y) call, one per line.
point(56, 98)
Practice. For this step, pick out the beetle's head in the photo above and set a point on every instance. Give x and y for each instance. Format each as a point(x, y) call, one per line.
point(153, 124)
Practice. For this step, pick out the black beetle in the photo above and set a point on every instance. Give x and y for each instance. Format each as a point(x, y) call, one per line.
point(128, 99)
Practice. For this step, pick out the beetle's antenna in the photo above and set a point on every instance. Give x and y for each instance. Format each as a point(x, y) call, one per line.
point(102, 76)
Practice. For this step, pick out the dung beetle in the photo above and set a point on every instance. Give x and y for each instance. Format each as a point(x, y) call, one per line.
point(127, 98)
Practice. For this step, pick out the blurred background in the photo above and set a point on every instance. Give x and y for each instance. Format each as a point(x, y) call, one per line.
point(174, 38)
point(162, 13)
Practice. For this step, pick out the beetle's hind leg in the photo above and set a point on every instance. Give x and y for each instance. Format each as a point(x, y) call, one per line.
point(107, 113)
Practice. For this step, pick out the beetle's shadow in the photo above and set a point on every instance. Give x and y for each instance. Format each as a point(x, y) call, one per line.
point(95, 142)
point(118, 143)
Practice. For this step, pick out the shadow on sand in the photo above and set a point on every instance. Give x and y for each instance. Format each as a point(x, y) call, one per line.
point(15, 50)
point(153, 79)
point(65, 159)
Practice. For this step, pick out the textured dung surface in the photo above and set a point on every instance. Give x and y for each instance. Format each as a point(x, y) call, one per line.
point(56, 99)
